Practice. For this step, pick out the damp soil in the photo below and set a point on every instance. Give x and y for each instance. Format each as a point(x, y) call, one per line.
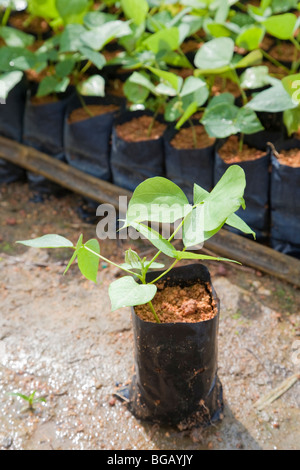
point(42, 100)
point(184, 139)
point(290, 157)
point(285, 52)
point(230, 152)
point(137, 129)
point(59, 337)
point(81, 114)
point(36, 25)
point(176, 304)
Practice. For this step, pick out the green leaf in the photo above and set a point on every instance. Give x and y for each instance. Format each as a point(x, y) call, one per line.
point(16, 38)
point(64, 68)
point(78, 246)
point(189, 255)
point(291, 119)
point(164, 40)
point(8, 81)
point(48, 241)
point(291, 84)
point(190, 110)
point(88, 262)
point(93, 86)
point(95, 57)
point(74, 11)
point(215, 54)
point(236, 222)
point(220, 120)
point(133, 259)
point(98, 37)
point(225, 199)
point(43, 8)
point(137, 87)
point(93, 19)
point(135, 10)
point(70, 39)
point(158, 200)
point(253, 58)
point(193, 227)
point(156, 239)
point(273, 100)
point(281, 26)
point(250, 37)
point(51, 85)
point(169, 78)
point(248, 122)
point(256, 77)
point(126, 292)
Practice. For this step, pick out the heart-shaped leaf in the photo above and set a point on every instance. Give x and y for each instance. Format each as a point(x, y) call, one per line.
point(126, 292)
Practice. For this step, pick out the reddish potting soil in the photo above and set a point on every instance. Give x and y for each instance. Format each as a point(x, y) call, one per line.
point(222, 86)
point(136, 130)
point(176, 304)
point(290, 157)
point(285, 52)
point(184, 138)
point(80, 114)
point(36, 25)
point(38, 101)
point(230, 152)
point(34, 76)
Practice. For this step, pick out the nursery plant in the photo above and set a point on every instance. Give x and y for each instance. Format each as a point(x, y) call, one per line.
point(162, 201)
point(170, 355)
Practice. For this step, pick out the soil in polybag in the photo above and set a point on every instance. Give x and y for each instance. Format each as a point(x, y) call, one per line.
point(175, 380)
point(256, 164)
point(134, 155)
point(185, 164)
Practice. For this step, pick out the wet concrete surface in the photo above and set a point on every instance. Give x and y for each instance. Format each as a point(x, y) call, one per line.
point(59, 337)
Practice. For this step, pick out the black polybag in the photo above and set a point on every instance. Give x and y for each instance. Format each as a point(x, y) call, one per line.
point(175, 378)
point(43, 130)
point(134, 162)
point(285, 204)
point(257, 193)
point(188, 166)
point(11, 127)
point(88, 142)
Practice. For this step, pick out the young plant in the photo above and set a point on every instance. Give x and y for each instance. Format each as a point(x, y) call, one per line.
point(172, 95)
point(158, 200)
point(217, 58)
point(74, 52)
point(222, 118)
point(31, 400)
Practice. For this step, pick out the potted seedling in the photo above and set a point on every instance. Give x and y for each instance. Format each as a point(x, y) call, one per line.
point(138, 135)
point(175, 311)
point(229, 123)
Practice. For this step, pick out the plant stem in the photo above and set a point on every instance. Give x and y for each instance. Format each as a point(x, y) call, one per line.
point(237, 81)
point(154, 312)
point(6, 16)
point(113, 264)
point(195, 143)
point(274, 61)
point(86, 67)
point(150, 128)
point(85, 107)
point(241, 144)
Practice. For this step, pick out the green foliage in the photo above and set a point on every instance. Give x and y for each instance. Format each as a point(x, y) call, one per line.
point(160, 200)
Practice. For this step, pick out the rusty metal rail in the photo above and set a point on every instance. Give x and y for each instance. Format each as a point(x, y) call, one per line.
point(224, 243)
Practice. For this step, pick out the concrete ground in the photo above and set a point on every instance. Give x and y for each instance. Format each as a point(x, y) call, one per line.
point(59, 338)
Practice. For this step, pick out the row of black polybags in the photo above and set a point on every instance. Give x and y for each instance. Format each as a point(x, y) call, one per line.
point(93, 146)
